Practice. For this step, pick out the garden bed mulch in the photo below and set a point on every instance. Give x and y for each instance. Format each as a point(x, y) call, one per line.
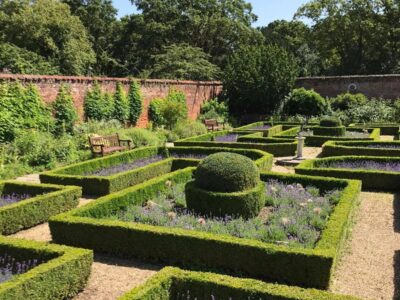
point(368, 267)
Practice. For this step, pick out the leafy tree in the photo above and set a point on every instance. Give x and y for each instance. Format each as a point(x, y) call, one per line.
point(294, 36)
point(35, 113)
point(22, 61)
point(99, 18)
point(121, 106)
point(64, 112)
point(135, 102)
point(366, 36)
point(155, 112)
point(258, 78)
point(47, 28)
point(306, 103)
point(183, 62)
point(173, 110)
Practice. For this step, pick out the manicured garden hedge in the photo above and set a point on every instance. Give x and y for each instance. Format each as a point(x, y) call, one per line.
point(339, 131)
point(386, 129)
point(274, 129)
point(63, 273)
point(104, 185)
point(371, 179)
point(45, 201)
point(360, 148)
point(87, 227)
point(173, 283)
point(318, 141)
point(277, 147)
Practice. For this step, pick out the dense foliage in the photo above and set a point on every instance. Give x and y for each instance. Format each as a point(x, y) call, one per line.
point(64, 111)
point(306, 103)
point(121, 105)
point(258, 78)
point(135, 102)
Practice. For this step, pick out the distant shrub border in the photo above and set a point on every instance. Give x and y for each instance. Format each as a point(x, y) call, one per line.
point(360, 148)
point(63, 273)
point(371, 179)
point(104, 185)
point(46, 201)
point(86, 227)
point(170, 283)
point(277, 147)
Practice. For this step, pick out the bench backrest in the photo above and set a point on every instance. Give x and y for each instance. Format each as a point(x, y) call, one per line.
point(106, 141)
point(210, 122)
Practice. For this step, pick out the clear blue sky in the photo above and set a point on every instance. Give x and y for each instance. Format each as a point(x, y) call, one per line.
point(266, 10)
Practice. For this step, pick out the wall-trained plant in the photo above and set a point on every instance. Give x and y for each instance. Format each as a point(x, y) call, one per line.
point(64, 112)
point(135, 101)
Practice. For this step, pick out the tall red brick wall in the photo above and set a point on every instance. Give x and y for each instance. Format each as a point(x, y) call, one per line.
point(385, 86)
point(197, 92)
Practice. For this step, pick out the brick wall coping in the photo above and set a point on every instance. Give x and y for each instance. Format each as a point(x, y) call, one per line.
point(82, 79)
point(381, 76)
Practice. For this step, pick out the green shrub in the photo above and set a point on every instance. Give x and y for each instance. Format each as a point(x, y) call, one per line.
point(142, 137)
point(214, 109)
point(226, 172)
point(257, 79)
point(174, 108)
point(64, 112)
point(329, 131)
point(187, 128)
point(63, 274)
point(121, 105)
point(396, 106)
point(7, 127)
point(155, 112)
point(348, 100)
point(304, 102)
point(135, 103)
point(388, 149)
point(96, 104)
point(330, 122)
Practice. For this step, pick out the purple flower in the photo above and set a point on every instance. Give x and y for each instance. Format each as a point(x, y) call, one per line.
point(362, 165)
point(7, 199)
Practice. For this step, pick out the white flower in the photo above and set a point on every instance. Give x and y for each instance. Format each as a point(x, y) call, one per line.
point(171, 215)
point(285, 221)
point(201, 221)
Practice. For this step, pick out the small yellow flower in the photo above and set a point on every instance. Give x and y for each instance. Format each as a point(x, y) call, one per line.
point(285, 221)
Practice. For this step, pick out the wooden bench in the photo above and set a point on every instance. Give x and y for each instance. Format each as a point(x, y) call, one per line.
point(213, 125)
point(104, 145)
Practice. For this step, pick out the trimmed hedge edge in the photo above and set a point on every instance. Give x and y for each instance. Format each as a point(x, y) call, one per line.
point(167, 283)
point(332, 148)
point(63, 275)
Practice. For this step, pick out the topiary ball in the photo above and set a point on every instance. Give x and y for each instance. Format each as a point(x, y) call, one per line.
point(227, 173)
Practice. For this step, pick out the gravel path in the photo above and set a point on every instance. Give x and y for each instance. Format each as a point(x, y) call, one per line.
point(368, 266)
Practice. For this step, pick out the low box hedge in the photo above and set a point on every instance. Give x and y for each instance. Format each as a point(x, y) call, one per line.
point(318, 141)
point(274, 129)
point(386, 128)
point(332, 148)
point(64, 271)
point(104, 185)
point(173, 283)
point(45, 201)
point(339, 131)
point(276, 147)
point(87, 227)
point(371, 179)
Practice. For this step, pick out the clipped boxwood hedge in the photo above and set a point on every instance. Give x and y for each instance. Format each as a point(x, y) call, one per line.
point(63, 273)
point(45, 201)
point(386, 128)
point(104, 185)
point(318, 141)
point(274, 129)
point(173, 283)
point(371, 179)
point(329, 131)
point(86, 227)
point(276, 147)
point(360, 148)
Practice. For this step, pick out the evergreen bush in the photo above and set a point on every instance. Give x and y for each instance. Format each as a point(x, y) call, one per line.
point(135, 103)
point(121, 107)
point(304, 102)
point(64, 112)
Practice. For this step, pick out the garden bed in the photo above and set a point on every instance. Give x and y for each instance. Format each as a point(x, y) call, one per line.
point(93, 227)
point(173, 283)
point(267, 129)
point(236, 139)
point(54, 272)
point(23, 205)
point(365, 148)
point(352, 134)
point(377, 173)
point(146, 163)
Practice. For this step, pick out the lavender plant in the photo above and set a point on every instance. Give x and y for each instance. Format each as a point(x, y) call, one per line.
point(362, 165)
point(383, 146)
point(261, 127)
point(228, 138)
point(8, 199)
point(10, 267)
point(189, 156)
point(125, 166)
point(294, 215)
